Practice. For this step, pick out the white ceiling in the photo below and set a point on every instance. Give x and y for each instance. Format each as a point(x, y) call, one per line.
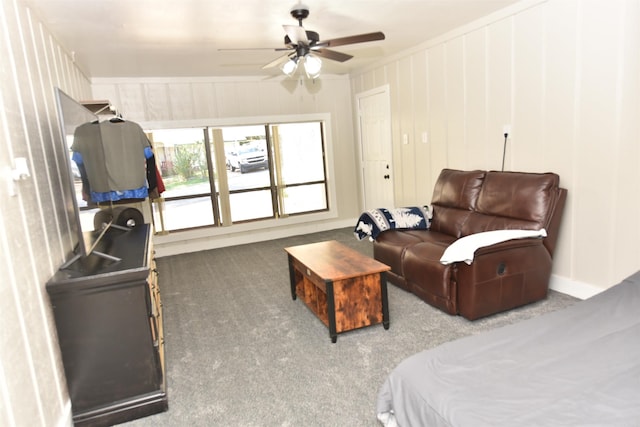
point(183, 38)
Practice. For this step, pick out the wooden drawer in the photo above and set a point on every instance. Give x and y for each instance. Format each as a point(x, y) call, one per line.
point(310, 275)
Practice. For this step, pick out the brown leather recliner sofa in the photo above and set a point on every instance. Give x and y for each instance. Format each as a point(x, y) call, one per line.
point(501, 276)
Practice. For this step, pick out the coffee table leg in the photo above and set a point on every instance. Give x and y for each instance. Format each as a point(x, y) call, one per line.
point(331, 311)
point(385, 300)
point(292, 277)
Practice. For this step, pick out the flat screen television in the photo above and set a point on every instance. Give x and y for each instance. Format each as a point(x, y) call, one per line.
point(71, 115)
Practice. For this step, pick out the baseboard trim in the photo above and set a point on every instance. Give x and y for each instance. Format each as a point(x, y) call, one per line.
point(163, 248)
point(574, 288)
point(66, 418)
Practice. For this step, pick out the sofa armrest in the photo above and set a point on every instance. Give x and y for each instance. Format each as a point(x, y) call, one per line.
point(507, 246)
point(503, 276)
point(463, 249)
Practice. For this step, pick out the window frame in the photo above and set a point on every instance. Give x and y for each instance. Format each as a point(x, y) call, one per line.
point(261, 223)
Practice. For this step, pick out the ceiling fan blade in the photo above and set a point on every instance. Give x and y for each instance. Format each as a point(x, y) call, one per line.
point(276, 62)
point(332, 54)
point(360, 38)
point(296, 34)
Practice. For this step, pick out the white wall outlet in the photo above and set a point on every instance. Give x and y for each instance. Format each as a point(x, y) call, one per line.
point(405, 139)
point(425, 137)
point(506, 129)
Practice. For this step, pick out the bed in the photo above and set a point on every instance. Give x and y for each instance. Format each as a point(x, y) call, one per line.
point(579, 366)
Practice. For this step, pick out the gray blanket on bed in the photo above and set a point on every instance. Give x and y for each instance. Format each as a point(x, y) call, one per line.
point(579, 366)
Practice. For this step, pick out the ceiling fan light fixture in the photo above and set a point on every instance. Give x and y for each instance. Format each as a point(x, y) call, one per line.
point(312, 66)
point(290, 66)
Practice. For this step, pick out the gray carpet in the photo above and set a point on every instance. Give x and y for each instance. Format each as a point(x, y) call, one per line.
point(241, 352)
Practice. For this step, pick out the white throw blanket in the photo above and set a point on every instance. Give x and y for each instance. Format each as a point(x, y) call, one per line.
point(464, 248)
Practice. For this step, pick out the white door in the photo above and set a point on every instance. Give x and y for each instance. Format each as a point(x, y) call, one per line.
point(374, 112)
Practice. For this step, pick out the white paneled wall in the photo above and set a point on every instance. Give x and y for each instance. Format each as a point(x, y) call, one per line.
point(565, 75)
point(32, 217)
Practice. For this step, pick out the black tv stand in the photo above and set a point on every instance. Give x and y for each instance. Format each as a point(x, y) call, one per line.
point(108, 317)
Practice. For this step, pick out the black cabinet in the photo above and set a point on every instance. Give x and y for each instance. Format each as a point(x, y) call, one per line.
point(108, 317)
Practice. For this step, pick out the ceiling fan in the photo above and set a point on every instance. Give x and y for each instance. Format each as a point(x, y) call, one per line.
point(305, 45)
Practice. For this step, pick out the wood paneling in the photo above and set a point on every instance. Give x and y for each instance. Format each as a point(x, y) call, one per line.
point(437, 101)
point(598, 133)
point(422, 157)
point(565, 75)
point(157, 105)
point(476, 131)
point(33, 221)
point(131, 105)
point(528, 92)
point(455, 103)
point(499, 84)
point(180, 97)
point(406, 173)
point(626, 185)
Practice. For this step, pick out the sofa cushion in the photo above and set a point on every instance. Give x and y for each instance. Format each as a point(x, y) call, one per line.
point(458, 189)
point(390, 246)
point(525, 196)
point(454, 197)
point(427, 277)
point(513, 200)
point(478, 223)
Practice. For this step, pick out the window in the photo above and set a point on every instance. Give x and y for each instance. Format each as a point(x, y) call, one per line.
point(222, 175)
point(248, 173)
point(182, 162)
point(301, 178)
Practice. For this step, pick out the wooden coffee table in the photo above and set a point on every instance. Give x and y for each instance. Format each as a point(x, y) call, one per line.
point(344, 288)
